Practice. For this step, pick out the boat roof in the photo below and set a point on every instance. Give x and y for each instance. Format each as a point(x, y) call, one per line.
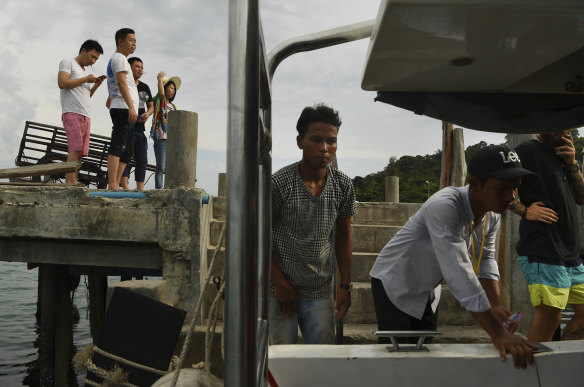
point(502, 66)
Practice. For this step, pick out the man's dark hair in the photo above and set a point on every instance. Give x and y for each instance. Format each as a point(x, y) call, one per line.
point(134, 59)
point(122, 33)
point(317, 113)
point(91, 44)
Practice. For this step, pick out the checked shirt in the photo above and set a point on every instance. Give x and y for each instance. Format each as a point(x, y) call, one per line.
point(303, 228)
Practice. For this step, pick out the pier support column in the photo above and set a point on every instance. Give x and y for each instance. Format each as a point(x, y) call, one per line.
point(392, 189)
point(63, 325)
point(181, 149)
point(222, 185)
point(47, 324)
point(97, 283)
point(56, 325)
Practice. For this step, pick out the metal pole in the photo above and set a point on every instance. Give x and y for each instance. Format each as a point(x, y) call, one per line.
point(265, 249)
point(242, 210)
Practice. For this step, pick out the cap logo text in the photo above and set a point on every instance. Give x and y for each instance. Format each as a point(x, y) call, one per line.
point(510, 158)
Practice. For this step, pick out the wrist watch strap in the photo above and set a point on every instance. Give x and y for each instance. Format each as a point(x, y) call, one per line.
point(573, 167)
point(348, 287)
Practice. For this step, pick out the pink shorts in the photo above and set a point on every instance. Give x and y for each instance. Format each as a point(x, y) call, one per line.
point(77, 130)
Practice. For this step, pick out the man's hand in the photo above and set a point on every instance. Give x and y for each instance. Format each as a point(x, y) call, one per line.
point(97, 81)
point(538, 212)
point(343, 303)
point(567, 152)
point(132, 116)
point(90, 78)
point(286, 297)
point(502, 314)
point(521, 350)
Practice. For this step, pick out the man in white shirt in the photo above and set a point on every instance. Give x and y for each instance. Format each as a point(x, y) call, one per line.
point(434, 245)
point(123, 94)
point(76, 91)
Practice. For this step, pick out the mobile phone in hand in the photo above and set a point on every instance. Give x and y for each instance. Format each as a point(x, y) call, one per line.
point(515, 317)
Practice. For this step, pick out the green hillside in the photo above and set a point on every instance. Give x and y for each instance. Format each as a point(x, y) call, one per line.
point(415, 171)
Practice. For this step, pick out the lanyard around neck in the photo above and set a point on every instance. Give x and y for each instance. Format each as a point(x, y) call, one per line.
point(476, 264)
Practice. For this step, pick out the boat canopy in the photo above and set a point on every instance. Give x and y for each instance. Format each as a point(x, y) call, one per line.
point(512, 66)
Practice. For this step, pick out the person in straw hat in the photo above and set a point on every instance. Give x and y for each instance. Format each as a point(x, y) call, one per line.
point(167, 88)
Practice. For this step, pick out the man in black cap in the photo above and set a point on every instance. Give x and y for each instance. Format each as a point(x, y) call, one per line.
point(549, 233)
point(452, 237)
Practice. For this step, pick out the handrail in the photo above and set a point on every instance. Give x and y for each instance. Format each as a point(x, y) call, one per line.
point(318, 40)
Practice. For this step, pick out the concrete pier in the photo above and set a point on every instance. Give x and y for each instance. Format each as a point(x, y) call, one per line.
point(64, 225)
point(181, 149)
point(67, 231)
point(392, 189)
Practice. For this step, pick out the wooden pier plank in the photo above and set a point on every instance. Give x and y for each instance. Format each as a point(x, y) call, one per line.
point(40, 169)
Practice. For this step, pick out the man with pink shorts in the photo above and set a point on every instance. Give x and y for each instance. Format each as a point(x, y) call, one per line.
point(76, 91)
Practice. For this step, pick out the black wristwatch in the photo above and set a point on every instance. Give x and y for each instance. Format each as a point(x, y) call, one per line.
point(348, 287)
point(573, 167)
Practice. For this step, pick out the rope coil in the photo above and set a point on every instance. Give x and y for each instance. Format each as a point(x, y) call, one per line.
point(117, 376)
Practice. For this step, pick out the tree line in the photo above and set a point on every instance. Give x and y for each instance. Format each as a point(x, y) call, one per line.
point(419, 176)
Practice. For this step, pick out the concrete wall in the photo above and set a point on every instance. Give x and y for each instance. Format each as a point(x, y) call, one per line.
point(64, 225)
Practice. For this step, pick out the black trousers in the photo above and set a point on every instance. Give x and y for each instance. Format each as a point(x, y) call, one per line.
point(391, 318)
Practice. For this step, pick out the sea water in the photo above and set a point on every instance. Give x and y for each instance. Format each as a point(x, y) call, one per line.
point(18, 327)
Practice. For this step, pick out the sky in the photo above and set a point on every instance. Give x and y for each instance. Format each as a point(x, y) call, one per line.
point(188, 38)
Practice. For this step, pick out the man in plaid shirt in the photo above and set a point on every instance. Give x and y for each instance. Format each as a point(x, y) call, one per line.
point(312, 205)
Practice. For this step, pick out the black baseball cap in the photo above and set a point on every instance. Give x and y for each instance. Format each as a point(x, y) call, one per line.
point(498, 161)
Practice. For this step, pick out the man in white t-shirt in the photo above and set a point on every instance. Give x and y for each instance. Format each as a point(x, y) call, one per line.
point(74, 82)
point(124, 98)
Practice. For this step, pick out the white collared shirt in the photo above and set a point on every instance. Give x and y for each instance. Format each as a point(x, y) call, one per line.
point(434, 244)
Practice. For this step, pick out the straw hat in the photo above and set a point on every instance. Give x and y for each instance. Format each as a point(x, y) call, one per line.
point(175, 80)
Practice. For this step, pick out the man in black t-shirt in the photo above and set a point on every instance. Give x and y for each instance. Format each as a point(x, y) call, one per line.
point(549, 244)
point(145, 110)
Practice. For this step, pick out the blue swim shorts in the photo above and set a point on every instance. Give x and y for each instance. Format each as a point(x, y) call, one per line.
point(553, 285)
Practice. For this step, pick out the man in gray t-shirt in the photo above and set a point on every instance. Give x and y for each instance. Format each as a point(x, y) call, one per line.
point(312, 205)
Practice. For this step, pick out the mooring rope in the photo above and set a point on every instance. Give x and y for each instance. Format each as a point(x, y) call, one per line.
point(117, 375)
point(197, 311)
point(210, 333)
point(129, 362)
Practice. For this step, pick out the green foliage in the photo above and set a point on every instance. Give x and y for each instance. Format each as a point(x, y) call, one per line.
point(419, 177)
point(415, 171)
